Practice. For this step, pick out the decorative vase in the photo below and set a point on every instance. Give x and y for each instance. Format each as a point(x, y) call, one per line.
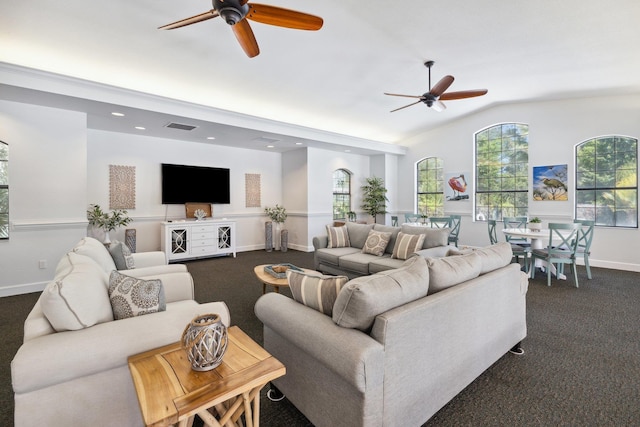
point(268, 236)
point(130, 239)
point(107, 239)
point(535, 226)
point(276, 232)
point(205, 341)
point(284, 240)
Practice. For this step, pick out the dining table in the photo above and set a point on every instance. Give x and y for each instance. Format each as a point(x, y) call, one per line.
point(539, 240)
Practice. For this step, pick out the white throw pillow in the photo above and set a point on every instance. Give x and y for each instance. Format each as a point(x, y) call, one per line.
point(96, 251)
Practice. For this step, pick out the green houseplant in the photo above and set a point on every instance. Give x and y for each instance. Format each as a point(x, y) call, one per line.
point(374, 199)
point(107, 221)
point(535, 224)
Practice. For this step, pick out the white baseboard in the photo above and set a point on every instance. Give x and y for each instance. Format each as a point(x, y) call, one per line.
point(27, 288)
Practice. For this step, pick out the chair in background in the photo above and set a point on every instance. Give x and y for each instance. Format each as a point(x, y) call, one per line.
point(411, 218)
point(563, 253)
point(394, 221)
point(518, 251)
point(585, 236)
point(440, 221)
point(455, 229)
point(516, 222)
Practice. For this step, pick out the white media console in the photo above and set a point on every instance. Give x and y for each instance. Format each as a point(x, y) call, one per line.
point(190, 239)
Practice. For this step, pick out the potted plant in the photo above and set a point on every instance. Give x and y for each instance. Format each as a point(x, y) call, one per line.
point(277, 215)
point(374, 200)
point(535, 224)
point(107, 221)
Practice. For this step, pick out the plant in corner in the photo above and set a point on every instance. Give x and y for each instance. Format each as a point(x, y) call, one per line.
point(107, 221)
point(277, 214)
point(374, 199)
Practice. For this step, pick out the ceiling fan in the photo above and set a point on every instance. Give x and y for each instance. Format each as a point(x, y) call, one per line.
point(236, 13)
point(434, 97)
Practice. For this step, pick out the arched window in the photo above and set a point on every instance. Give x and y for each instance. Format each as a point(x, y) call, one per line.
point(502, 171)
point(430, 187)
point(607, 181)
point(4, 190)
point(341, 193)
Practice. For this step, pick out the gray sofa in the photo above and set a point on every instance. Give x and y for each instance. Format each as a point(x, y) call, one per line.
point(351, 262)
point(390, 355)
point(71, 369)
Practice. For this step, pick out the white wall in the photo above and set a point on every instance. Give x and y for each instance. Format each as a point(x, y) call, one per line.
point(555, 128)
point(47, 192)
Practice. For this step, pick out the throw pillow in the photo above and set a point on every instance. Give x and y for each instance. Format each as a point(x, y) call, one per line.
point(364, 298)
point(376, 243)
point(338, 237)
point(77, 298)
point(132, 297)
point(95, 250)
point(449, 271)
point(407, 244)
point(121, 255)
point(433, 236)
point(315, 290)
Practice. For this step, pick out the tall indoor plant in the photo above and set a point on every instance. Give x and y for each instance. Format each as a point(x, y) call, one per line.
point(374, 198)
point(107, 221)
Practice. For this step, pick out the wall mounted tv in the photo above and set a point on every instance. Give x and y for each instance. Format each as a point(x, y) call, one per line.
point(194, 184)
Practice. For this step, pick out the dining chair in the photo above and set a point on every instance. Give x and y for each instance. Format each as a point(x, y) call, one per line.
point(516, 222)
point(455, 229)
point(411, 218)
point(440, 221)
point(518, 251)
point(585, 236)
point(562, 247)
point(394, 221)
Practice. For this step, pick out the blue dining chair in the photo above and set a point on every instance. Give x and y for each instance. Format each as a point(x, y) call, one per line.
point(455, 229)
point(518, 251)
point(440, 222)
point(585, 236)
point(394, 221)
point(411, 218)
point(562, 247)
point(516, 222)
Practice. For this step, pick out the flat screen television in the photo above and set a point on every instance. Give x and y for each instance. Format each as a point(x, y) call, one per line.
point(194, 184)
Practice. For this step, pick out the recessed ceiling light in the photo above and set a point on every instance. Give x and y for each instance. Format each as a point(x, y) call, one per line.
point(140, 128)
point(270, 146)
point(115, 113)
point(347, 151)
point(211, 137)
point(298, 143)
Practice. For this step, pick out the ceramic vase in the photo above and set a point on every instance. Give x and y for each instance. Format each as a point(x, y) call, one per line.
point(205, 341)
point(268, 236)
point(284, 240)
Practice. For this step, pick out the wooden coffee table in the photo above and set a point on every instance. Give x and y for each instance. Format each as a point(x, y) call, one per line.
point(170, 392)
point(268, 279)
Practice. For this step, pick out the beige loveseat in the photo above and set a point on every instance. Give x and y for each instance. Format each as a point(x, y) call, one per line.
point(399, 344)
point(351, 261)
point(72, 368)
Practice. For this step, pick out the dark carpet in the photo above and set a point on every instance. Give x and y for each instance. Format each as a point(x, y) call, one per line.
point(581, 366)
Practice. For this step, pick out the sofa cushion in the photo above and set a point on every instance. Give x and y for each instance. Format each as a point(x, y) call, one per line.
point(315, 290)
point(338, 237)
point(394, 234)
point(95, 250)
point(358, 233)
point(433, 236)
point(121, 255)
point(492, 257)
point(407, 244)
point(383, 263)
point(78, 298)
point(132, 297)
point(449, 271)
point(376, 242)
point(357, 262)
point(364, 298)
point(332, 256)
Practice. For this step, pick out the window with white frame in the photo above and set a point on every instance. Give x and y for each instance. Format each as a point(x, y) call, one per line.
point(341, 193)
point(607, 181)
point(4, 190)
point(430, 187)
point(502, 171)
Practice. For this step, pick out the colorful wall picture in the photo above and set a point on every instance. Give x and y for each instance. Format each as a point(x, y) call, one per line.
point(550, 183)
point(455, 187)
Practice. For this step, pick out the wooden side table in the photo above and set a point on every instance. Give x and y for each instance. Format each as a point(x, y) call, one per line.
point(268, 279)
point(170, 392)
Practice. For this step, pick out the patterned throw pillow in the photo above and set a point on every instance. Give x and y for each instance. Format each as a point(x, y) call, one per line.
point(376, 243)
point(407, 244)
point(121, 255)
point(315, 290)
point(132, 297)
point(338, 237)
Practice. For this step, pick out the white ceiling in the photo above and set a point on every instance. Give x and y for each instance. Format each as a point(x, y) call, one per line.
point(331, 80)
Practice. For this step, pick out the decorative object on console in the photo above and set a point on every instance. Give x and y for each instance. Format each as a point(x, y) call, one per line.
point(268, 236)
point(122, 187)
point(107, 221)
point(252, 190)
point(205, 341)
point(192, 208)
point(199, 214)
point(130, 239)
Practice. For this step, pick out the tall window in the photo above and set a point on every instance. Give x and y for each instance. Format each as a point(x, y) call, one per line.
point(502, 164)
point(607, 181)
point(341, 193)
point(430, 186)
point(4, 190)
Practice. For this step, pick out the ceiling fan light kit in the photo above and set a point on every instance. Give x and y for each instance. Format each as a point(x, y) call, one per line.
point(236, 13)
point(435, 95)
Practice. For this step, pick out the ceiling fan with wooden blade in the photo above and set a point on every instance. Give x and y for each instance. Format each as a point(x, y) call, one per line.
point(436, 94)
point(236, 13)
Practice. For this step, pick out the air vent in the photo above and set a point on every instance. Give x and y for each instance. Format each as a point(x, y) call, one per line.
point(265, 140)
point(180, 126)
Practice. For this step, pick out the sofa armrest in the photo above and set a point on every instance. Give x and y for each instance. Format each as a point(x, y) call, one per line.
point(149, 259)
point(320, 242)
point(157, 269)
point(177, 286)
point(350, 353)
